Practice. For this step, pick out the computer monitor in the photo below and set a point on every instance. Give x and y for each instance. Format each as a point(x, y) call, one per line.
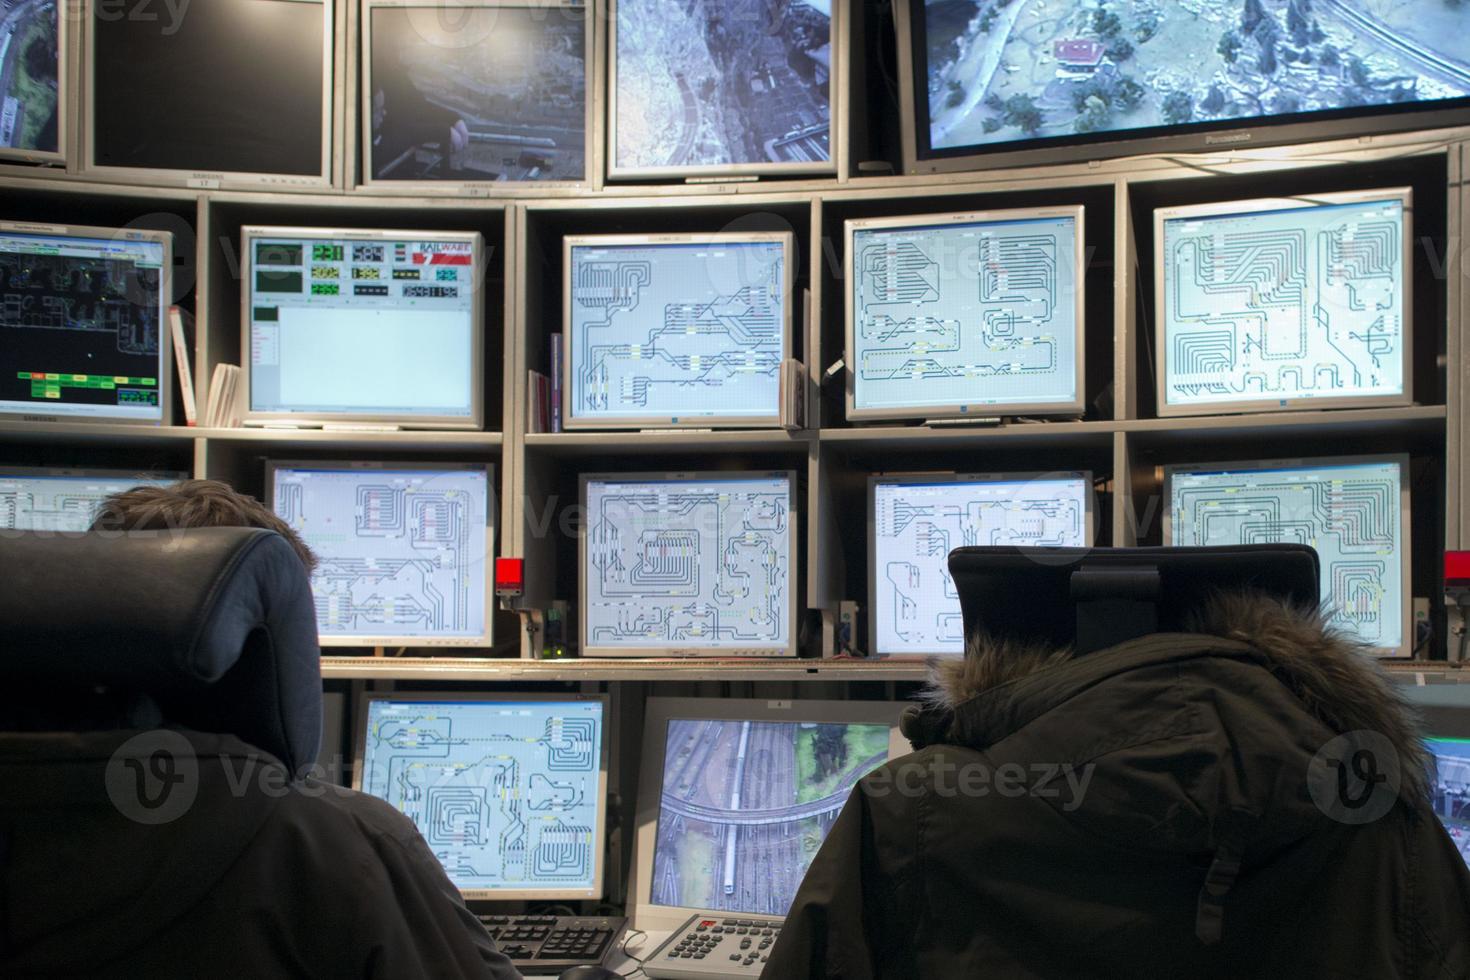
point(676, 330)
point(35, 54)
point(1451, 798)
point(956, 315)
point(404, 549)
point(363, 327)
point(64, 500)
point(83, 324)
point(916, 520)
point(220, 94)
point(1277, 305)
point(1001, 84)
point(477, 91)
point(689, 565)
point(704, 89)
point(735, 798)
point(508, 790)
point(1353, 510)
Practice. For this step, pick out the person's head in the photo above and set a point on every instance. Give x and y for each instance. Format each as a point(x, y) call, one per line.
point(190, 504)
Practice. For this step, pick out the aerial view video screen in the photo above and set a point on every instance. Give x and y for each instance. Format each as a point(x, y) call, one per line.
point(1452, 789)
point(1001, 71)
point(30, 44)
point(737, 83)
point(746, 804)
point(479, 93)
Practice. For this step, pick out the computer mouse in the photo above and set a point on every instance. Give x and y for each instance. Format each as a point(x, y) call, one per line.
point(589, 972)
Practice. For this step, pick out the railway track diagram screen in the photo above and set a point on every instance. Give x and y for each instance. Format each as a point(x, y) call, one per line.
point(1350, 513)
point(917, 523)
point(58, 503)
point(745, 805)
point(506, 793)
point(1268, 307)
point(953, 315)
point(402, 552)
point(677, 332)
point(702, 564)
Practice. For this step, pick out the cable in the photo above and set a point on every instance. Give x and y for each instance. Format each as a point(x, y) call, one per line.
point(633, 934)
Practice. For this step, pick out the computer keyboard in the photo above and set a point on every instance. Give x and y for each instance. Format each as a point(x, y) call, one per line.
point(541, 944)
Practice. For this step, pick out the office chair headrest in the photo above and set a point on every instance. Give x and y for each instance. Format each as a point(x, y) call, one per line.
point(1093, 598)
point(217, 625)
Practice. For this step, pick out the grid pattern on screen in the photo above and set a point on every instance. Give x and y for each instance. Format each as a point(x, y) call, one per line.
point(1349, 513)
point(697, 563)
point(916, 524)
point(402, 552)
point(1278, 306)
point(59, 503)
point(953, 315)
point(506, 793)
point(677, 331)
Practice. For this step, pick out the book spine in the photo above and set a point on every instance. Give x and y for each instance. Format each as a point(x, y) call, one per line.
point(184, 364)
point(556, 393)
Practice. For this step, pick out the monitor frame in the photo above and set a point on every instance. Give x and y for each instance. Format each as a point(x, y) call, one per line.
point(486, 638)
point(657, 715)
point(201, 180)
point(87, 473)
point(65, 59)
point(591, 159)
point(1405, 649)
point(250, 234)
point(570, 421)
point(1216, 209)
point(792, 648)
point(1077, 406)
point(922, 479)
point(166, 365)
point(1223, 136)
point(599, 847)
point(836, 120)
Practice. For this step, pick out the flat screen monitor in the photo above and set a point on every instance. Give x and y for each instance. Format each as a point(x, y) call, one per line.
point(735, 797)
point(676, 330)
point(64, 500)
point(965, 314)
point(34, 52)
point(363, 326)
point(403, 549)
point(508, 790)
point(213, 93)
point(1284, 304)
point(83, 323)
point(689, 565)
point(995, 83)
point(917, 520)
point(710, 88)
point(1451, 798)
point(474, 92)
point(1354, 511)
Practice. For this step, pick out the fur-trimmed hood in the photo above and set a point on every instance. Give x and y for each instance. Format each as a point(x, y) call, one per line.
point(1336, 679)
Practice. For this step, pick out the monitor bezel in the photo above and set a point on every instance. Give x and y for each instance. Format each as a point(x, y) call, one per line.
point(921, 479)
point(591, 157)
point(571, 421)
point(916, 222)
point(1405, 649)
point(792, 648)
point(657, 715)
point(486, 638)
point(166, 365)
point(599, 843)
point(1215, 209)
point(202, 180)
point(1220, 136)
point(64, 60)
point(475, 421)
point(836, 129)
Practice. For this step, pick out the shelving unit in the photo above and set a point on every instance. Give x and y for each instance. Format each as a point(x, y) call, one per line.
point(1119, 439)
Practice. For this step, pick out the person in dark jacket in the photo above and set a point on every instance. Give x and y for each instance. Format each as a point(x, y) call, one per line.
point(1247, 800)
point(260, 875)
